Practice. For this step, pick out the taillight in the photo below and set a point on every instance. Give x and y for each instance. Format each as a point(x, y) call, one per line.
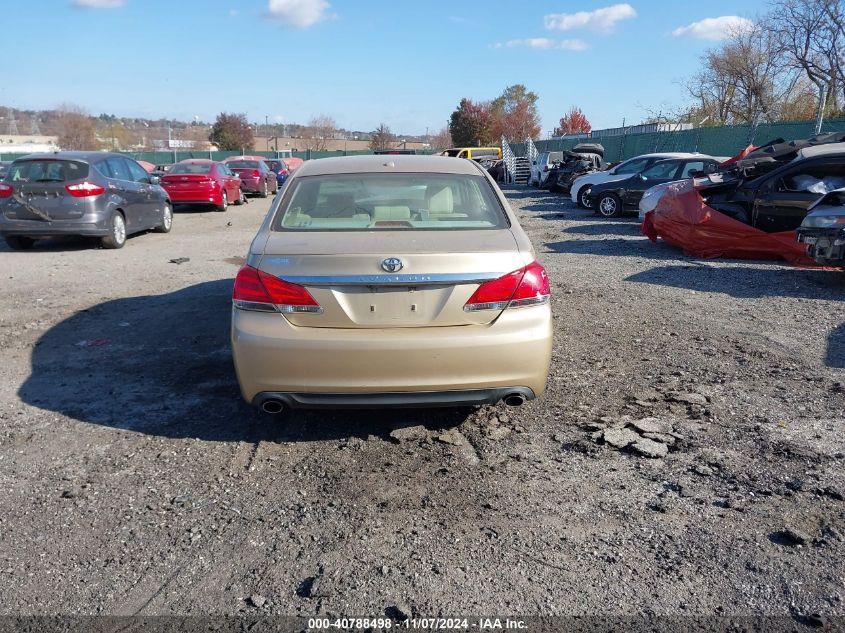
point(84, 190)
point(6, 190)
point(527, 286)
point(256, 290)
point(255, 173)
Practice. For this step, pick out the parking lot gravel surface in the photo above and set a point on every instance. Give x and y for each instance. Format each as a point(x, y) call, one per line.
point(687, 459)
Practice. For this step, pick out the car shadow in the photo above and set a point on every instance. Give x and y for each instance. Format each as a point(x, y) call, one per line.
point(606, 228)
point(835, 356)
point(66, 244)
point(617, 247)
point(161, 365)
point(745, 282)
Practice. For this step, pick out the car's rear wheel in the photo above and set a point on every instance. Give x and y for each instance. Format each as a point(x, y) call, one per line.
point(240, 199)
point(19, 242)
point(263, 192)
point(583, 200)
point(117, 231)
point(166, 220)
point(224, 201)
point(609, 205)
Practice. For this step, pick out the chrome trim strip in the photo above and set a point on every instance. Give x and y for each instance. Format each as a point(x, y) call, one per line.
point(392, 280)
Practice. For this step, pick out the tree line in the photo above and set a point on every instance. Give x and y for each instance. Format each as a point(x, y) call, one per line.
point(776, 68)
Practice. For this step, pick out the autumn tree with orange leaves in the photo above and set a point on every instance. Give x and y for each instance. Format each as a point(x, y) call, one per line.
point(573, 122)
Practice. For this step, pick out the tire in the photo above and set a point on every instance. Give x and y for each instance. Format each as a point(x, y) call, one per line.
point(224, 204)
point(19, 242)
point(166, 220)
point(263, 192)
point(117, 235)
point(240, 199)
point(609, 205)
point(582, 198)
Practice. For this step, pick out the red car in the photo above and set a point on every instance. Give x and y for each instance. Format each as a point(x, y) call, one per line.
point(255, 175)
point(202, 181)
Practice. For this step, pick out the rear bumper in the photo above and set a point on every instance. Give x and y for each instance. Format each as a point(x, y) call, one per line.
point(826, 246)
point(393, 400)
point(53, 228)
point(251, 184)
point(396, 364)
point(195, 196)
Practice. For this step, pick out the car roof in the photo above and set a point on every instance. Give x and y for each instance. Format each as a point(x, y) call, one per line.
point(87, 156)
point(820, 150)
point(197, 160)
point(667, 155)
point(407, 163)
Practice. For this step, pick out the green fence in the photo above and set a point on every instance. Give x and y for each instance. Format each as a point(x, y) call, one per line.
point(716, 141)
point(174, 156)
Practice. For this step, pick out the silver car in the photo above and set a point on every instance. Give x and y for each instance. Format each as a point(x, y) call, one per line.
point(93, 194)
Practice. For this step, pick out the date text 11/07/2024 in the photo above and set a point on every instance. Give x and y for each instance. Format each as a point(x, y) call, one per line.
point(434, 624)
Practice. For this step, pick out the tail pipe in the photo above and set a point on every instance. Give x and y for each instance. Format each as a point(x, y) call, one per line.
point(514, 399)
point(272, 406)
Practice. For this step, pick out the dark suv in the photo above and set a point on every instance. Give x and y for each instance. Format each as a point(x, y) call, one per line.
point(80, 193)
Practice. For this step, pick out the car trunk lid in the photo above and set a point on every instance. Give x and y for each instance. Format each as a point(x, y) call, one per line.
point(348, 274)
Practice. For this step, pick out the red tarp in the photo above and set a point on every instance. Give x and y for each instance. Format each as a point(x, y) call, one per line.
point(683, 219)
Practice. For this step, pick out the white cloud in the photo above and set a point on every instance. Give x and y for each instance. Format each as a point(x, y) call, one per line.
point(715, 28)
point(544, 43)
point(298, 13)
point(602, 20)
point(98, 4)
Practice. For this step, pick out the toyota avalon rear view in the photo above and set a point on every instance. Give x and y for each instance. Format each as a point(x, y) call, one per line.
point(400, 282)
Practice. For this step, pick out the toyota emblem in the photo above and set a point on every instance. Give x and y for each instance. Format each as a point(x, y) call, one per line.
point(392, 264)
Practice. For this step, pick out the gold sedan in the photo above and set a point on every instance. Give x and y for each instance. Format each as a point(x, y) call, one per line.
point(393, 281)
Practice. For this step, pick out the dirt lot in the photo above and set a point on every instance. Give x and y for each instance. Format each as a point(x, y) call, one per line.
point(133, 480)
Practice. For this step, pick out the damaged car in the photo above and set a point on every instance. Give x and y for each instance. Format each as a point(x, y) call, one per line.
point(584, 158)
point(823, 229)
point(773, 187)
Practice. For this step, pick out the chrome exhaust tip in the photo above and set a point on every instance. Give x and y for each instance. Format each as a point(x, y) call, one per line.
point(272, 406)
point(514, 399)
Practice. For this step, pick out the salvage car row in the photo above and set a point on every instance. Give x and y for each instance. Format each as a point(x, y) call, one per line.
point(111, 196)
point(790, 190)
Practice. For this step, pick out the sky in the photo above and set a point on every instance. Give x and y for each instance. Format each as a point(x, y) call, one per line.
point(363, 62)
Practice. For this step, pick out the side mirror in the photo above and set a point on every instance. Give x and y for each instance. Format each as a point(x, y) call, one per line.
point(155, 180)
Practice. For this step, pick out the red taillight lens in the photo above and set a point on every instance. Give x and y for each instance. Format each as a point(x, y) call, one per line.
point(256, 290)
point(524, 287)
point(84, 190)
point(255, 173)
point(6, 190)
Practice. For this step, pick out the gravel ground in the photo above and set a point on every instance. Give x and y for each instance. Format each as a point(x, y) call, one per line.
point(687, 459)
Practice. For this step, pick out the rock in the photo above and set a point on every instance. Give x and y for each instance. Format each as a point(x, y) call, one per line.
point(687, 398)
point(399, 612)
point(620, 438)
point(663, 438)
point(702, 469)
point(498, 433)
point(795, 536)
point(384, 570)
point(592, 426)
point(257, 600)
point(652, 425)
point(452, 436)
point(409, 433)
point(503, 418)
point(650, 448)
point(832, 492)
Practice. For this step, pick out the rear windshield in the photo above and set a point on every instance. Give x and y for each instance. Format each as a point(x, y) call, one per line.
point(190, 168)
point(47, 171)
point(243, 164)
point(274, 165)
point(390, 202)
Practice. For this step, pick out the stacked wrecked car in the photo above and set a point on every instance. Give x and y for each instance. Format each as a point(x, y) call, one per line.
point(756, 205)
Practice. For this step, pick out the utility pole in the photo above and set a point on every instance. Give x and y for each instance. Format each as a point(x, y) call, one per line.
point(820, 113)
